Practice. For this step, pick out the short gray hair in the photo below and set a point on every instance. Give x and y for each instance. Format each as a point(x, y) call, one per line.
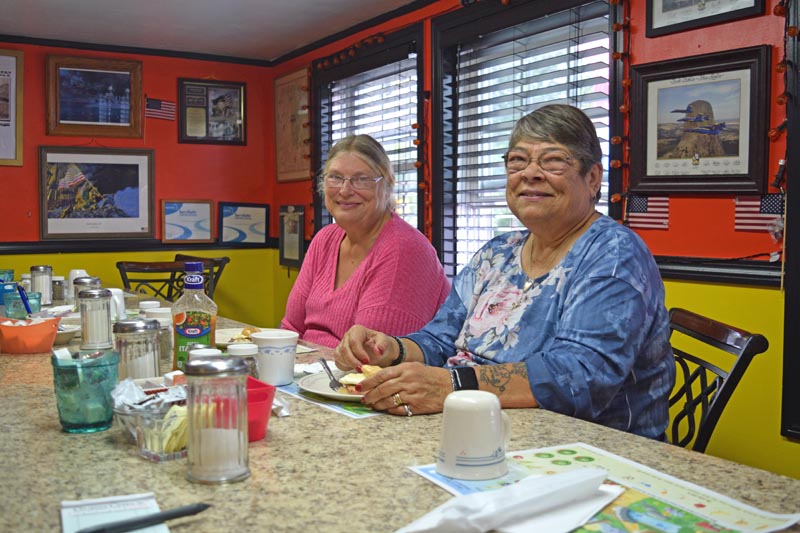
point(373, 154)
point(561, 124)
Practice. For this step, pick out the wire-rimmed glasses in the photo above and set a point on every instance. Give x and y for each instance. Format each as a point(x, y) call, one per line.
point(555, 162)
point(361, 183)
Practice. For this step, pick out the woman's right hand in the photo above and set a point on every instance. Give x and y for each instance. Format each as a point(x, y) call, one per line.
point(363, 346)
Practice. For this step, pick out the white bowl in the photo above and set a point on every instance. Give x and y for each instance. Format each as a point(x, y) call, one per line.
point(68, 333)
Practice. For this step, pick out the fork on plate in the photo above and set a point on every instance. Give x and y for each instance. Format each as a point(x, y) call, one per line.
point(334, 383)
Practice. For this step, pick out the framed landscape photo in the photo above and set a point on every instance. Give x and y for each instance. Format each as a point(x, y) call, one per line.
point(187, 221)
point(291, 127)
point(92, 193)
point(11, 69)
point(211, 112)
point(94, 97)
point(670, 16)
point(699, 124)
point(291, 241)
point(243, 224)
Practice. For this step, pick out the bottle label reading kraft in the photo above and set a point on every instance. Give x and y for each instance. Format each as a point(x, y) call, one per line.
point(191, 327)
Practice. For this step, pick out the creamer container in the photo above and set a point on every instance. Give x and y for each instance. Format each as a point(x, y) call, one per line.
point(216, 399)
point(194, 315)
point(146, 305)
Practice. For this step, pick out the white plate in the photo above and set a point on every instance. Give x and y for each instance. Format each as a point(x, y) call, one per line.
point(223, 336)
point(68, 333)
point(318, 384)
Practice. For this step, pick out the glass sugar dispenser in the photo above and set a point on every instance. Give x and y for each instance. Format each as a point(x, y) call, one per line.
point(216, 394)
point(137, 342)
point(95, 309)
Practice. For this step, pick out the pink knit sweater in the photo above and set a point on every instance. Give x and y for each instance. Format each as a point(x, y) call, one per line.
point(396, 289)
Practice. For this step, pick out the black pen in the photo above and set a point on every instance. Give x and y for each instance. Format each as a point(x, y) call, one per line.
point(140, 522)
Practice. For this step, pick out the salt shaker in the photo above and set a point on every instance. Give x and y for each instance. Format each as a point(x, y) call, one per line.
point(42, 282)
point(138, 346)
point(95, 309)
point(216, 394)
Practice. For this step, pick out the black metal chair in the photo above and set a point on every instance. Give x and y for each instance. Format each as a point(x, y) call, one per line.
point(164, 279)
point(701, 384)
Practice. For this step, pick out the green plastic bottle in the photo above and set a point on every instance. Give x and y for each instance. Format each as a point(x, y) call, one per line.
point(194, 315)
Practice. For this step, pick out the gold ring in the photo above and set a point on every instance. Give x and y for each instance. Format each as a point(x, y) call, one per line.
point(408, 410)
point(397, 400)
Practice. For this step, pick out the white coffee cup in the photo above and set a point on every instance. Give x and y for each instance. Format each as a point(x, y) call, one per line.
point(118, 297)
point(74, 273)
point(276, 355)
point(475, 435)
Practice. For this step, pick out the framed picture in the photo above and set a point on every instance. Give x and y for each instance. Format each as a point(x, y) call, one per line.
point(94, 97)
point(187, 221)
point(91, 193)
point(11, 69)
point(291, 240)
point(291, 127)
point(670, 16)
point(699, 124)
point(243, 224)
point(211, 112)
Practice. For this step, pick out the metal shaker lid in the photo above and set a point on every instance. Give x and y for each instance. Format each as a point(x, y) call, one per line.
point(94, 294)
point(135, 326)
point(212, 366)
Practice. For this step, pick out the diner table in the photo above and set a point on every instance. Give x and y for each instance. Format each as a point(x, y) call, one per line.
point(316, 470)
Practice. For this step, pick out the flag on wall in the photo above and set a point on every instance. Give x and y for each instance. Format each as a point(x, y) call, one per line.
point(648, 212)
point(155, 108)
point(757, 213)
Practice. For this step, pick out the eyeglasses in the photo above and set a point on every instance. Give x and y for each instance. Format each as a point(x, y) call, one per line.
point(335, 181)
point(556, 162)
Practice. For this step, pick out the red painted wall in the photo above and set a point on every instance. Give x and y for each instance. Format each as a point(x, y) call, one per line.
point(703, 226)
point(182, 171)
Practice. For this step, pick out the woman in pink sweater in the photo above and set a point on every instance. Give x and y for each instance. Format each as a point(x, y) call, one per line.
point(370, 267)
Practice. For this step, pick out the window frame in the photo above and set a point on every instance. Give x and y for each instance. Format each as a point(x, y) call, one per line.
point(396, 46)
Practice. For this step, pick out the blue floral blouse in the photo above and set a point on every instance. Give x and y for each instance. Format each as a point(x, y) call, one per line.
point(593, 332)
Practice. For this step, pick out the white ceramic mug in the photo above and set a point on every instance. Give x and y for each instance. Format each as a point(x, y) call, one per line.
point(118, 297)
point(276, 355)
point(475, 435)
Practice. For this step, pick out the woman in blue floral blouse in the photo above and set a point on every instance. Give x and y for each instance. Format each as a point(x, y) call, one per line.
point(567, 315)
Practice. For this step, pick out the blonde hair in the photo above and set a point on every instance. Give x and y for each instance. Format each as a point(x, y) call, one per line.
point(372, 153)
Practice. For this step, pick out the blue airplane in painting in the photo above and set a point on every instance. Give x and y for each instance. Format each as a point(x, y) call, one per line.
point(713, 129)
point(697, 118)
point(687, 110)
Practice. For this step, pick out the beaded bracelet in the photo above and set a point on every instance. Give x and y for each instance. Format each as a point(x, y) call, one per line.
point(402, 356)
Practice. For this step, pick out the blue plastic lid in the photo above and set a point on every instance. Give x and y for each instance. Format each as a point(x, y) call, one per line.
point(193, 266)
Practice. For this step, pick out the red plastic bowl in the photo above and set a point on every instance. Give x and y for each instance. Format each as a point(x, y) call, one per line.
point(259, 407)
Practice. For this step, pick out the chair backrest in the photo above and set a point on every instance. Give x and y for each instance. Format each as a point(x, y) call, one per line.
point(706, 387)
point(164, 279)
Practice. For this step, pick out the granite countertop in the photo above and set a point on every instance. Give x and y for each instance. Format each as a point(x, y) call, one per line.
point(316, 470)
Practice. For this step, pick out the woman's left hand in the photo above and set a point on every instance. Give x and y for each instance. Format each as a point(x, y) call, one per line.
point(407, 389)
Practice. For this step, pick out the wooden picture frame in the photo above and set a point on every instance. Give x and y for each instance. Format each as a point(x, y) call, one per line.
point(12, 67)
point(292, 236)
point(699, 124)
point(94, 193)
point(211, 112)
point(94, 97)
point(670, 16)
point(187, 221)
point(242, 224)
point(292, 133)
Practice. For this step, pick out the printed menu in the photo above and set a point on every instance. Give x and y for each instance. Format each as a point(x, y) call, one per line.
point(652, 500)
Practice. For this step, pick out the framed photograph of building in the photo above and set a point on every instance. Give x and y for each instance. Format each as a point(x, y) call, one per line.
point(94, 193)
point(11, 69)
point(699, 124)
point(211, 112)
point(94, 97)
point(292, 133)
point(670, 16)
point(243, 225)
point(187, 221)
point(292, 237)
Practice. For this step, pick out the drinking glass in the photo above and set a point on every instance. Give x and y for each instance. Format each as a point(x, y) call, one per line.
point(83, 390)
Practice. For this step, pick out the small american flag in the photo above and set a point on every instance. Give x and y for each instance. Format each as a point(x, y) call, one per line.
point(648, 212)
point(757, 213)
point(73, 177)
point(155, 108)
